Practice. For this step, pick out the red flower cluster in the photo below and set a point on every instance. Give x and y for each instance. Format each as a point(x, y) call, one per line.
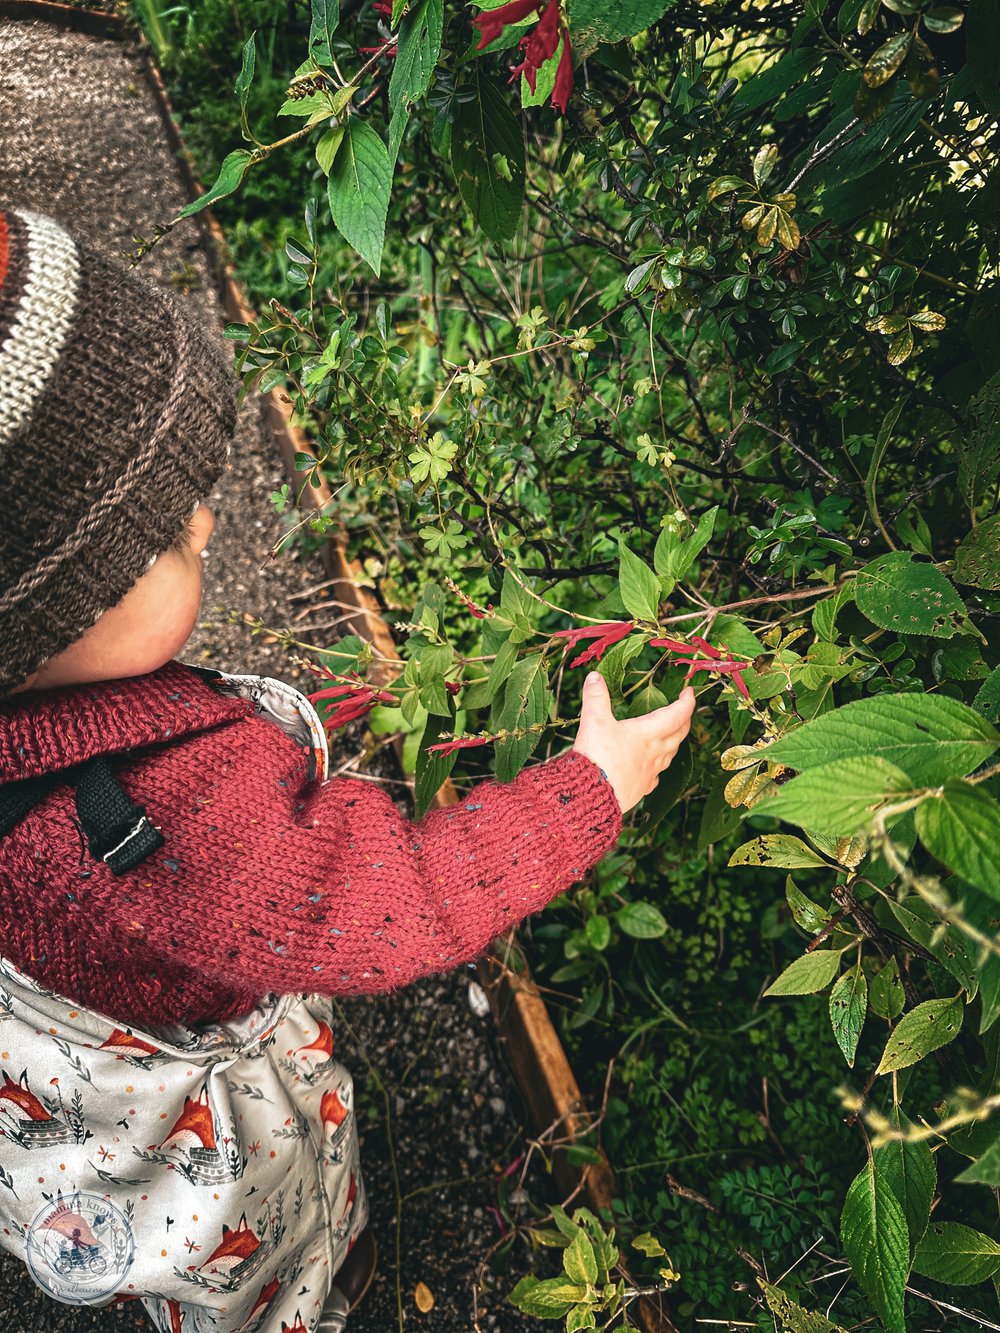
point(604, 636)
point(712, 661)
point(356, 698)
point(537, 46)
point(384, 9)
point(464, 743)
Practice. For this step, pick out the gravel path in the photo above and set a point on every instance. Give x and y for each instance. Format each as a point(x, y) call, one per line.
point(423, 1056)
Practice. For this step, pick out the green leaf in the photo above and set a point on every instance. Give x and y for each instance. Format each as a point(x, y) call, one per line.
point(431, 769)
point(929, 736)
point(926, 1028)
point(641, 920)
point(910, 1170)
point(648, 1245)
point(808, 974)
point(978, 445)
point(694, 545)
point(640, 588)
point(549, 1299)
point(579, 1260)
point(961, 827)
point(776, 849)
point(793, 1318)
point(485, 131)
point(592, 22)
point(848, 1003)
point(525, 703)
point(878, 453)
point(245, 78)
point(326, 148)
point(809, 916)
point(952, 1253)
point(837, 798)
point(322, 26)
point(985, 1171)
point(987, 701)
point(910, 597)
point(885, 995)
point(234, 167)
point(944, 942)
point(598, 932)
point(358, 190)
point(419, 44)
point(873, 1234)
point(887, 59)
point(977, 560)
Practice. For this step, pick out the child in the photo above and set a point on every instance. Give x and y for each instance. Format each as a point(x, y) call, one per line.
point(182, 890)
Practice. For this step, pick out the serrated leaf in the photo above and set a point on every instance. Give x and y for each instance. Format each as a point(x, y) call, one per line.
point(910, 597)
point(977, 560)
point(485, 130)
point(930, 737)
point(956, 1254)
point(324, 17)
point(776, 849)
point(431, 769)
point(926, 1028)
point(419, 46)
point(640, 588)
point(234, 167)
point(978, 445)
point(579, 1260)
point(875, 1240)
point(358, 190)
point(984, 1171)
point(808, 974)
point(885, 995)
point(961, 827)
point(848, 1004)
point(910, 1170)
point(838, 798)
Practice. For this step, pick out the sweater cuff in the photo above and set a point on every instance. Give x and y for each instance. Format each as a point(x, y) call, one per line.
point(578, 796)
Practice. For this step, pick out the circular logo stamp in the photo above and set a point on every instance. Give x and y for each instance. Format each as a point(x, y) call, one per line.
point(79, 1248)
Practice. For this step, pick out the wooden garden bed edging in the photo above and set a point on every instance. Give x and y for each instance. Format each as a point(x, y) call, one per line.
point(532, 1045)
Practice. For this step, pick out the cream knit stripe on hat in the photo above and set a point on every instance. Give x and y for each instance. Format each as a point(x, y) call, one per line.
point(133, 473)
point(38, 334)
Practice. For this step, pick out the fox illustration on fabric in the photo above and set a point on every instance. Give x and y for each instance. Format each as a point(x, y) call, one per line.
point(267, 1295)
point(193, 1142)
point(317, 1056)
point(297, 1327)
point(237, 1256)
point(125, 1045)
point(30, 1123)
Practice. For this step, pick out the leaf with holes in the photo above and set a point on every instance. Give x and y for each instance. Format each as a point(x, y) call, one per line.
point(952, 1253)
point(837, 798)
point(848, 1003)
point(977, 560)
point(875, 1240)
point(885, 994)
point(777, 849)
point(486, 133)
point(911, 597)
point(419, 44)
point(926, 1028)
point(792, 1318)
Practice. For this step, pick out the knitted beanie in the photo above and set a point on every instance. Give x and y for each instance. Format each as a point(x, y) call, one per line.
point(115, 420)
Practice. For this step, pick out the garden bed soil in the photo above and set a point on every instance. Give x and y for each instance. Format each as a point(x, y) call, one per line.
point(101, 164)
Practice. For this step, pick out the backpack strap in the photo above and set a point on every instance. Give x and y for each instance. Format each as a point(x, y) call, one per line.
point(118, 831)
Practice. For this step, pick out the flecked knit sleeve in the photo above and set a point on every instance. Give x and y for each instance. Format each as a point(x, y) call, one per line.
point(354, 898)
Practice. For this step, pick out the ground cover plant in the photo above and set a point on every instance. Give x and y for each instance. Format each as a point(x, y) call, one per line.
point(678, 355)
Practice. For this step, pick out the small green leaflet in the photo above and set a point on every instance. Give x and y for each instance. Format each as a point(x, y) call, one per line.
point(673, 557)
point(231, 173)
point(642, 921)
point(640, 588)
point(837, 798)
point(929, 736)
point(808, 974)
point(322, 26)
point(358, 190)
point(899, 593)
point(925, 1028)
point(961, 827)
point(952, 1253)
point(910, 1170)
point(848, 1002)
point(485, 131)
point(875, 1240)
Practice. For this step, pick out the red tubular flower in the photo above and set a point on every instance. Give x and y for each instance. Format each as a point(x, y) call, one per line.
point(354, 696)
point(539, 45)
point(672, 645)
point(712, 661)
point(604, 636)
point(563, 85)
point(453, 686)
point(383, 8)
point(491, 22)
point(465, 743)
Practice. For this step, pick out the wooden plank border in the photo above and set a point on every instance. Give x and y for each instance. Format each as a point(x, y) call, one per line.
point(532, 1045)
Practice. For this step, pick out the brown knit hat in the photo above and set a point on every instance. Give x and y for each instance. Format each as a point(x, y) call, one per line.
point(115, 420)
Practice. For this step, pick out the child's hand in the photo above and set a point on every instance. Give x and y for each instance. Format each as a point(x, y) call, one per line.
point(632, 753)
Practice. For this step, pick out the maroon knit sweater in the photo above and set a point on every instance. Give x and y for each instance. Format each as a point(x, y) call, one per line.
point(265, 882)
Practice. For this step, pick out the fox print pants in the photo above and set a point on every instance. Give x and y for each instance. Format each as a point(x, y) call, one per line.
point(210, 1173)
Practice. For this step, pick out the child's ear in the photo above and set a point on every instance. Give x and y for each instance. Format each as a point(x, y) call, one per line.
point(201, 527)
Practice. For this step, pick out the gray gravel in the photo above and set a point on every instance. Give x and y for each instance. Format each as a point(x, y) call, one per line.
point(106, 172)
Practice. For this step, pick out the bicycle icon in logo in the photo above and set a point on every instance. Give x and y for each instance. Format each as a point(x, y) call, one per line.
point(79, 1248)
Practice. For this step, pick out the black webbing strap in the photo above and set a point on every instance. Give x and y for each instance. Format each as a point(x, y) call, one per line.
point(118, 831)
